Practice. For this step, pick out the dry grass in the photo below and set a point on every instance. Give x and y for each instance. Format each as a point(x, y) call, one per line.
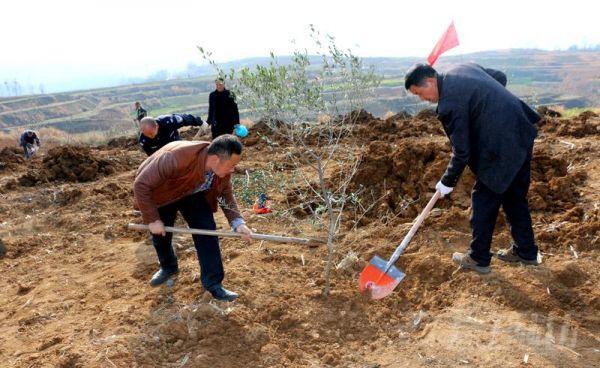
point(570, 113)
point(51, 137)
point(247, 123)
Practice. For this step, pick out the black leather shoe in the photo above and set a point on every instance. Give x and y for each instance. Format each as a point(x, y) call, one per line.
point(161, 276)
point(223, 294)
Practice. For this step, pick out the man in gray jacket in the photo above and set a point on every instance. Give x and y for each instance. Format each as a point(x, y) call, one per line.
point(491, 131)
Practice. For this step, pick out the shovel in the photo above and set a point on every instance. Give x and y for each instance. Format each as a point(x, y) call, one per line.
point(380, 277)
point(231, 234)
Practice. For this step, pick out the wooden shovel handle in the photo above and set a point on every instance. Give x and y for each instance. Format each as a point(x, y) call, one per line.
point(418, 221)
point(231, 234)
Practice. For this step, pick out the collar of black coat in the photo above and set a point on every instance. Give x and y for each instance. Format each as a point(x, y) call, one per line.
point(440, 83)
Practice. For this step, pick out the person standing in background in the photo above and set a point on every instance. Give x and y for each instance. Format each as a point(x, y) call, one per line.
point(223, 112)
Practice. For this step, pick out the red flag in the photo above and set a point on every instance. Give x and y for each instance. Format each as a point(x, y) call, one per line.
point(449, 40)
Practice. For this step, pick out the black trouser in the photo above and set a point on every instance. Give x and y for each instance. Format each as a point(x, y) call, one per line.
point(485, 205)
point(198, 215)
point(27, 149)
point(218, 130)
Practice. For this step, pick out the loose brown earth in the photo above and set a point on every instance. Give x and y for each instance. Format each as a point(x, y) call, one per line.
point(75, 291)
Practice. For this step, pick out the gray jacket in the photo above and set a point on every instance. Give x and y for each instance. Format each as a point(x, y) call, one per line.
point(490, 129)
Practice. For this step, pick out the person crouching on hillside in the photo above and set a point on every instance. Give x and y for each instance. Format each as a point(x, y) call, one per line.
point(157, 132)
point(28, 141)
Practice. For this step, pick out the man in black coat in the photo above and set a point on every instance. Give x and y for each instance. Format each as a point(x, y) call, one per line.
point(157, 132)
point(223, 112)
point(492, 131)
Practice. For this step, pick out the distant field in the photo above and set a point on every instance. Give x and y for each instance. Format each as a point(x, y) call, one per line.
point(569, 113)
point(567, 79)
point(392, 82)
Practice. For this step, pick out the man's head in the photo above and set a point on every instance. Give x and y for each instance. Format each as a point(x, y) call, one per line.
point(220, 84)
point(224, 152)
point(149, 127)
point(138, 105)
point(421, 80)
point(29, 133)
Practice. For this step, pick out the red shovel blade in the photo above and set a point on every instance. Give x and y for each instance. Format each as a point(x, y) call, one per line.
point(378, 283)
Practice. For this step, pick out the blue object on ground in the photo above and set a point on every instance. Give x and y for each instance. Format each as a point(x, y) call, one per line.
point(240, 130)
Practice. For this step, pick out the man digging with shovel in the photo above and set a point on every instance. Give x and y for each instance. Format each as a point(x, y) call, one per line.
point(492, 131)
point(192, 178)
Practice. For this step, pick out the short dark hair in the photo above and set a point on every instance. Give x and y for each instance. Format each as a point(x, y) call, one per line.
point(224, 146)
point(416, 75)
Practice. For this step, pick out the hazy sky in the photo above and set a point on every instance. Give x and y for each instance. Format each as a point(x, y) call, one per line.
point(57, 39)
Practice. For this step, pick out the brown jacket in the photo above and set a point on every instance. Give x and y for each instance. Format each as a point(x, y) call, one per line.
point(175, 171)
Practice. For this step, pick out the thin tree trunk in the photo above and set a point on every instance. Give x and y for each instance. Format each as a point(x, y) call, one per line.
point(332, 227)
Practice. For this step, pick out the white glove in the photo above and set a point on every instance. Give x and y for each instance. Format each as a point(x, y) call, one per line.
point(444, 190)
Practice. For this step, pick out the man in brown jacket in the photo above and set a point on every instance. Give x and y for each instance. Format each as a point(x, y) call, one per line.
point(192, 178)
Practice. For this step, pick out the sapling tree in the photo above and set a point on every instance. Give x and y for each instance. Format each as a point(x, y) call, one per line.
point(312, 102)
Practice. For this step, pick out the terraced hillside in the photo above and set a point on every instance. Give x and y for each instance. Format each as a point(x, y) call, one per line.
point(568, 78)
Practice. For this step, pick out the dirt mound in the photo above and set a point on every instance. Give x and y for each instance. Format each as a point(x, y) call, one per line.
point(357, 117)
point(426, 114)
point(553, 187)
point(68, 163)
point(400, 116)
point(122, 142)
point(546, 111)
point(261, 127)
point(400, 177)
point(576, 228)
point(586, 124)
point(395, 127)
point(265, 133)
point(189, 133)
point(265, 127)
point(11, 158)
point(586, 115)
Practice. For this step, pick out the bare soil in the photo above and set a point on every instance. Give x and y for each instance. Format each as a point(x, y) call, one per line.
point(75, 280)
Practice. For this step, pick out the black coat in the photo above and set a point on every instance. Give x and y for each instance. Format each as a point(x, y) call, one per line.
point(141, 113)
point(28, 139)
point(167, 131)
point(490, 129)
point(223, 111)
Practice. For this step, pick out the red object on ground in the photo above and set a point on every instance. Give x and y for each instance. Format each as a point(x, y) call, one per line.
point(448, 40)
point(260, 210)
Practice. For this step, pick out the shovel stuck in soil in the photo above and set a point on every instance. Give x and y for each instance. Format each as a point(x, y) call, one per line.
point(379, 278)
point(273, 238)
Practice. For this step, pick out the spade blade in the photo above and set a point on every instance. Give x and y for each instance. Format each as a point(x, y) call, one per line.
point(376, 281)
